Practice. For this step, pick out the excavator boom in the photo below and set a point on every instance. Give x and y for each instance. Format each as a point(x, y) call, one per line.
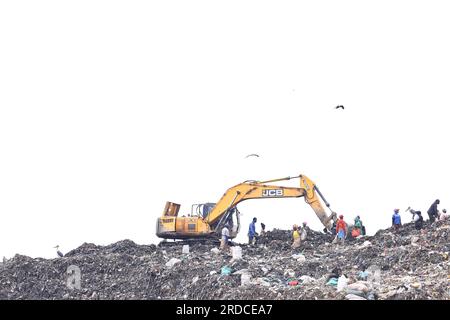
point(260, 190)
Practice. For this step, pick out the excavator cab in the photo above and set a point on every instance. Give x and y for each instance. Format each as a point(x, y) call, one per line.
point(202, 209)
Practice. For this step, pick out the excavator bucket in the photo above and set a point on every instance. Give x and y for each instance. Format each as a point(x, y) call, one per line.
point(171, 209)
point(167, 223)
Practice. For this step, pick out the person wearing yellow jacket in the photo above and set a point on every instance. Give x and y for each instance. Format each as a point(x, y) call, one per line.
point(296, 237)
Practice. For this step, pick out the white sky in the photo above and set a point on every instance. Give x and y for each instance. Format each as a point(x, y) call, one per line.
point(108, 109)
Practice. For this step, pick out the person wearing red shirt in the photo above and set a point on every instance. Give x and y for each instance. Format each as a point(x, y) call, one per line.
point(341, 229)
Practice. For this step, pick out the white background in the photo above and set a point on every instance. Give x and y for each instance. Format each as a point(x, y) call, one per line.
point(108, 109)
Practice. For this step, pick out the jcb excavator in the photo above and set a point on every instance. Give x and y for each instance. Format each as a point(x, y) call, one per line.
point(206, 220)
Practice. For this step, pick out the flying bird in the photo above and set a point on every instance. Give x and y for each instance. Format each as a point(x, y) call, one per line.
point(252, 155)
point(340, 107)
point(59, 252)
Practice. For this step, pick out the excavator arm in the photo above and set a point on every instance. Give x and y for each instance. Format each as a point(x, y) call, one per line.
point(261, 190)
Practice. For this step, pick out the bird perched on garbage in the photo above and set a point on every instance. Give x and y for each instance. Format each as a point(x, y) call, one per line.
point(340, 107)
point(252, 155)
point(59, 252)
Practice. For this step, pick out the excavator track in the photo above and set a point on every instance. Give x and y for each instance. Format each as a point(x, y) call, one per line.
point(167, 243)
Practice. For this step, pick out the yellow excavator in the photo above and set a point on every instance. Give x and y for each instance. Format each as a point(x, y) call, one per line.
point(207, 219)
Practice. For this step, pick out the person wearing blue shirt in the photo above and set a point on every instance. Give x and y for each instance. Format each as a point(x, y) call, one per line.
point(252, 231)
point(396, 219)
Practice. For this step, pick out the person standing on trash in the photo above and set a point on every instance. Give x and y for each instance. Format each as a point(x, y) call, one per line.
point(444, 215)
point(433, 211)
point(357, 227)
point(296, 237)
point(225, 237)
point(263, 229)
point(396, 220)
point(252, 232)
point(363, 227)
point(341, 229)
point(418, 220)
point(304, 231)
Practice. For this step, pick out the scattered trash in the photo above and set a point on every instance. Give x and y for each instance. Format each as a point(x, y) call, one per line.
point(185, 249)
point(172, 262)
point(363, 275)
point(358, 286)
point(263, 282)
point(355, 292)
point(354, 297)
point(307, 279)
point(342, 283)
point(242, 271)
point(332, 282)
point(293, 283)
point(367, 244)
point(416, 285)
point(392, 269)
point(290, 273)
point(226, 270)
point(236, 253)
point(245, 279)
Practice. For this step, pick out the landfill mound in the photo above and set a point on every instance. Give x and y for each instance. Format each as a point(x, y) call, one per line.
point(408, 264)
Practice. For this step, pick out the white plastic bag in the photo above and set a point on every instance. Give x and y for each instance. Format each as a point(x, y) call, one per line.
point(342, 283)
point(185, 249)
point(358, 286)
point(236, 252)
point(172, 262)
point(245, 278)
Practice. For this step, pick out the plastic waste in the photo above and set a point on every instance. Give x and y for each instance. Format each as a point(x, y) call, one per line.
point(242, 271)
point(332, 282)
point(236, 253)
point(354, 297)
point(290, 273)
point(358, 286)
point(342, 283)
point(371, 296)
point(185, 249)
point(226, 270)
point(307, 279)
point(293, 283)
point(363, 275)
point(245, 279)
point(172, 262)
point(355, 292)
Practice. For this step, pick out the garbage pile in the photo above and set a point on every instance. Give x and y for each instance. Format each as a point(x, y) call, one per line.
point(408, 264)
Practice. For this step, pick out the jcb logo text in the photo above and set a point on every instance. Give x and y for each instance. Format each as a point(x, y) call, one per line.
point(272, 193)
